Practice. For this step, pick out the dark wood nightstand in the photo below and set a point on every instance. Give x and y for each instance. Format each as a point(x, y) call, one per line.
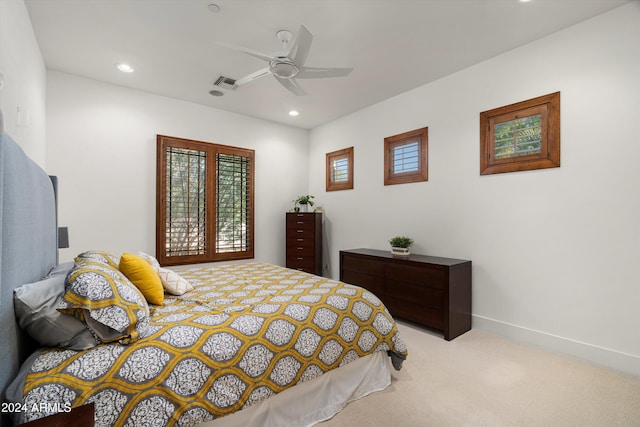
point(81, 416)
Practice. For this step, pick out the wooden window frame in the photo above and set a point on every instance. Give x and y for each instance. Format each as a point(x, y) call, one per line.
point(391, 142)
point(212, 150)
point(548, 106)
point(346, 153)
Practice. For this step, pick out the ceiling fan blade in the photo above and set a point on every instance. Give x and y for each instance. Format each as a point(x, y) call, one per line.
point(301, 46)
point(253, 76)
point(320, 73)
point(292, 86)
point(248, 51)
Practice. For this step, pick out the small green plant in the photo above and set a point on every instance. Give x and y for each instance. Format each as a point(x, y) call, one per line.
point(400, 242)
point(304, 200)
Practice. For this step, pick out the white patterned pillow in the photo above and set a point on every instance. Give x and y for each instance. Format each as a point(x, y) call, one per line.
point(153, 262)
point(172, 282)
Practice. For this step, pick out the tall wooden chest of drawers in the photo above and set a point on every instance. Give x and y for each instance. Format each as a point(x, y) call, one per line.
point(432, 291)
point(304, 242)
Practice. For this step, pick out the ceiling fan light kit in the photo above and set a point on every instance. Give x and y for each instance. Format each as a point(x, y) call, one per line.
point(283, 69)
point(288, 65)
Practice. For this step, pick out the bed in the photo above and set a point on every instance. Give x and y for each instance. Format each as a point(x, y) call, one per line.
point(235, 344)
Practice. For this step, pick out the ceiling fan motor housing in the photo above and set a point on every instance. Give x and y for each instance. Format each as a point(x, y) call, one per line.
point(284, 69)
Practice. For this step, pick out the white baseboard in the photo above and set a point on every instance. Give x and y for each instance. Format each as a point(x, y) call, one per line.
point(622, 362)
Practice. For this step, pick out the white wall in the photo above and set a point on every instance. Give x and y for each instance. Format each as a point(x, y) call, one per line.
point(101, 142)
point(554, 251)
point(22, 99)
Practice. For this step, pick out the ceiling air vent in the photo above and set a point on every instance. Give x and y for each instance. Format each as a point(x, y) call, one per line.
point(225, 82)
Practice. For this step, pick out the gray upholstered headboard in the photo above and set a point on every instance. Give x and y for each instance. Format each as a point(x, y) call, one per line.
point(28, 251)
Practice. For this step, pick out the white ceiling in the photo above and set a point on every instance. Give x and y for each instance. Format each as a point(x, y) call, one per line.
point(393, 45)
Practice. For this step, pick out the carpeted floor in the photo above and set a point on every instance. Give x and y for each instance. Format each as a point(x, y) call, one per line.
point(482, 380)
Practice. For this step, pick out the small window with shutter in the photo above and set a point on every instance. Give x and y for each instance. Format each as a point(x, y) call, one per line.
point(339, 173)
point(405, 157)
point(521, 136)
point(204, 202)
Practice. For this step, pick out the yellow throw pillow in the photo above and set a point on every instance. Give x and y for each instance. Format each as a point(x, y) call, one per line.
point(143, 276)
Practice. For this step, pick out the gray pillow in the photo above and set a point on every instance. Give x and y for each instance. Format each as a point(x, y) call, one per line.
point(61, 269)
point(36, 306)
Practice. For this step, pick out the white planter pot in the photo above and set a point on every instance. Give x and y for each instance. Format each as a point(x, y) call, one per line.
point(400, 251)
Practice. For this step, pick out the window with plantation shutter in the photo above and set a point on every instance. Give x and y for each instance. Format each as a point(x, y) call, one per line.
point(204, 202)
point(339, 173)
point(522, 136)
point(186, 204)
point(233, 213)
point(405, 157)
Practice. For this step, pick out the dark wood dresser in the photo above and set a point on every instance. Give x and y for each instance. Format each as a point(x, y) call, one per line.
point(434, 292)
point(304, 242)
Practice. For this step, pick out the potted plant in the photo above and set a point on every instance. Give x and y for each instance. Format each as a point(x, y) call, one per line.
point(303, 203)
point(400, 245)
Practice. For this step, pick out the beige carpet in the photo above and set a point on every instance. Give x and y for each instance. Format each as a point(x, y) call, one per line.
point(482, 380)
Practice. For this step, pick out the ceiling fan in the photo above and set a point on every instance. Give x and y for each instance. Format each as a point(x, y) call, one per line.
point(287, 65)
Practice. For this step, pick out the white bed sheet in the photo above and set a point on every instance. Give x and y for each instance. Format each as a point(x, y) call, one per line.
point(317, 400)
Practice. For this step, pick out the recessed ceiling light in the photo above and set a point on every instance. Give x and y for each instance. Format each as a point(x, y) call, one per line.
point(213, 8)
point(216, 93)
point(125, 68)
point(293, 113)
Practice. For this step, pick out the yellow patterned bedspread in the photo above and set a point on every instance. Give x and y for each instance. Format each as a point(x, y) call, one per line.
point(246, 332)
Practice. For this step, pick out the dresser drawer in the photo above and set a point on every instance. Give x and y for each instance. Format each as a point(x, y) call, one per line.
point(362, 265)
point(374, 284)
point(417, 275)
point(301, 262)
point(304, 250)
point(430, 317)
point(300, 219)
point(301, 240)
point(416, 294)
point(309, 216)
point(307, 228)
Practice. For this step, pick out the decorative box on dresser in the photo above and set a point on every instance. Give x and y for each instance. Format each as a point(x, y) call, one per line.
point(304, 242)
point(432, 291)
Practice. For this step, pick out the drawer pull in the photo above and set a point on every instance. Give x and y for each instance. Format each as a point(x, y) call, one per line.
point(299, 249)
point(300, 222)
point(299, 231)
point(300, 258)
point(300, 240)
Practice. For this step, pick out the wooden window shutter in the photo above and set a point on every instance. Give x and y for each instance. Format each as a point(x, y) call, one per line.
point(204, 202)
